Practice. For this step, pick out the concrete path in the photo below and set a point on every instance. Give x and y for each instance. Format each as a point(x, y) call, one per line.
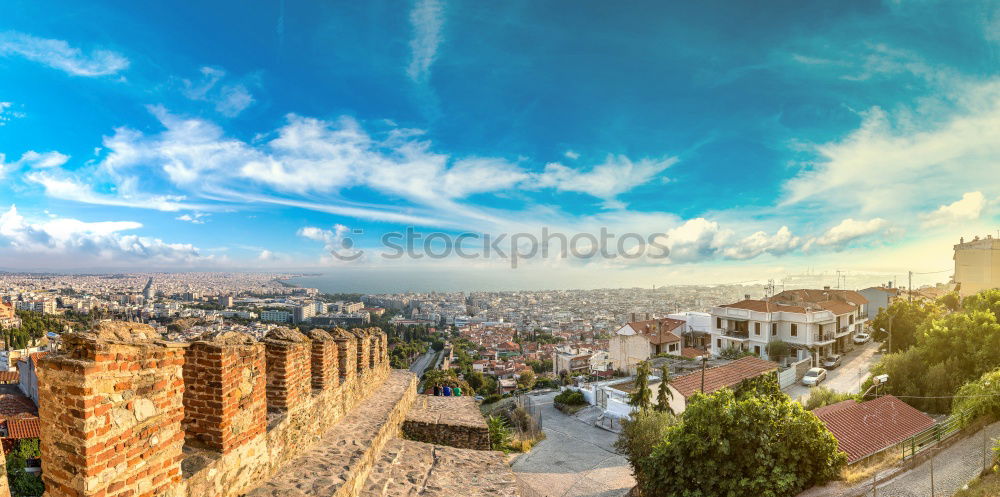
point(575, 459)
point(421, 363)
point(953, 468)
point(852, 372)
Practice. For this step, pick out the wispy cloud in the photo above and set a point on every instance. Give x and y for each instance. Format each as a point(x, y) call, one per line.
point(229, 99)
point(7, 113)
point(427, 20)
point(60, 55)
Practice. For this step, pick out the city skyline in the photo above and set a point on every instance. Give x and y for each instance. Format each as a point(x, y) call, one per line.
point(806, 137)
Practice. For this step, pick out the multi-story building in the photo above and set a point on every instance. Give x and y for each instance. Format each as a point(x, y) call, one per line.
point(303, 313)
point(571, 360)
point(44, 306)
point(226, 301)
point(977, 265)
point(276, 316)
point(8, 318)
point(814, 323)
point(879, 297)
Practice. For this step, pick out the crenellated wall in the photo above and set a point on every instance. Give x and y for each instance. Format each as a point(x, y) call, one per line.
point(126, 414)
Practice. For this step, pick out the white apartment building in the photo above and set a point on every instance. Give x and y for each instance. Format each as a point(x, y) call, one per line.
point(814, 323)
point(43, 306)
point(276, 316)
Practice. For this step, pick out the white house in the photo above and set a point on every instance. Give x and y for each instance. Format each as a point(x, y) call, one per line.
point(814, 323)
point(638, 341)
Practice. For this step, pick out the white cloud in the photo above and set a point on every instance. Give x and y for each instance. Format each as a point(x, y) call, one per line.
point(427, 20)
point(848, 231)
point(43, 160)
point(338, 247)
point(60, 55)
point(571, 155)
point(696, 240)
point(91, 240)
point(7, 114)
point(968, 208)
point(760, 242)
point(229, 99)
point(895, 162)
point(616, 175)
point(266, 255)
point(125, 196)
point(193, 218)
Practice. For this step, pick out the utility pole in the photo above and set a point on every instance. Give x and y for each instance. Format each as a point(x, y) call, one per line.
point(932, 472)
point(909, 286)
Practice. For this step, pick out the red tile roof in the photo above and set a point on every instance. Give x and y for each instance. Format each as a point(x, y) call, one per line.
point(720, 377)
point(765, 306)
point(23, 428)
point(12, 405)
point(691, 353)
point(865, 428)
point(9, 377)
point(659, 331)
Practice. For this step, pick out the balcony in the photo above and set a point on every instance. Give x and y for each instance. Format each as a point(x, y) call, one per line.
point(844, 330)
point(823, 338)
point(736, 334)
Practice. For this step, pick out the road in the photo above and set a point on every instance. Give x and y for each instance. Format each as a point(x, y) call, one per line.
point(575, 459)
point(848, 377)
point(422, 362)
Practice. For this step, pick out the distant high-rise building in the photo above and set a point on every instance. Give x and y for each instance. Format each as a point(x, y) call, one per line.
point(303, 313)
point(977, 265)
point(226, 301)
point(150, 291)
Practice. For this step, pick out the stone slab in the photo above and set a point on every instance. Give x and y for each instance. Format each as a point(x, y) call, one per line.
point(452, 421)
point(408, 469)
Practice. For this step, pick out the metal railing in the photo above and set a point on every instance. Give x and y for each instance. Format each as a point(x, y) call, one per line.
point(934, 435)
point(823, 337)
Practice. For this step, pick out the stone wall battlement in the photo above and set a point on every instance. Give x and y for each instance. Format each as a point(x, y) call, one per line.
point(124, 414)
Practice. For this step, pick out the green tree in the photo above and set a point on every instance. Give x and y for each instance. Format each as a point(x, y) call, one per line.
point(980, 397)
point(777, 350)
point(526, 380)
point(754, 442)
point(663, 394)
point(906, 317)
point(986, 300)
point(732, 353)
point(950, 301)
point(22, 483)
point(640, 435)
point(500, 435)
point(641, 397)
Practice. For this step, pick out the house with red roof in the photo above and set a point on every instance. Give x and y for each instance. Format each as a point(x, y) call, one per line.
point(864, 428)
point(729, 375)
point(814, 323)
point(638, 341)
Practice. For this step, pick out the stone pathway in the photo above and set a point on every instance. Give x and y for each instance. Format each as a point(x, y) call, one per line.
point(953, 468)
point(409, 468)
point(575, 459)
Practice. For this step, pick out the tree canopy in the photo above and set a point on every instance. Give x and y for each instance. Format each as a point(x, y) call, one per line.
point(753, 442)
point(641, 397)
point(906, 317)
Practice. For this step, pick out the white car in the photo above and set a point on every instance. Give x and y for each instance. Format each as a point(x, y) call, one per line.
point(814, 377)
point(861, 338)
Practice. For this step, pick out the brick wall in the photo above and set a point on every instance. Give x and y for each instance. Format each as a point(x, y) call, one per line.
point(111, 418)
point(289, 369)
point(127, 415)
point(324, 360)
point(363, 350)
point(347, 356)
point(224, 401)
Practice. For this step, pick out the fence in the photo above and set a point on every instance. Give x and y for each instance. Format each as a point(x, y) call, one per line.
point(934, 435)
point(529, 425)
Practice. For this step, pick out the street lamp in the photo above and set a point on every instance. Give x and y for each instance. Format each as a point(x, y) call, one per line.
point(704, 361)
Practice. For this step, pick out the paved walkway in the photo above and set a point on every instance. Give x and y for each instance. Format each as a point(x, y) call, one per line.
point(575, 459)
point(953, 468)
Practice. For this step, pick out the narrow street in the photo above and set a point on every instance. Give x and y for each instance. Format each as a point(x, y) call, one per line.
point(848, 377)
point(575, 459)
point(420, 365)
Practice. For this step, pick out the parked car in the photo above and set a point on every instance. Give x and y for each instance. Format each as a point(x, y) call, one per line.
point(480, 398)
point(814, 377)
point(831, 361)
point(861, 338)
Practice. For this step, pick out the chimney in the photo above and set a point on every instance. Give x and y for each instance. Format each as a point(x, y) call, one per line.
point(746, 296)
point(633, 318)
point(827, 287)
point(647, 316)
point(961, 240)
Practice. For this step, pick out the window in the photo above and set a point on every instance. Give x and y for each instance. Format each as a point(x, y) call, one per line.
point(756, 329)
point(795, 330)
point(718, 343)
point(850, 319)
point(774, 329)
point(673, 347)
point(718, 323)
point(756, 349)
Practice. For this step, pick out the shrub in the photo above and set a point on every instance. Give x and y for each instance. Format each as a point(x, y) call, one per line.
point(732, 353)
point(639, 435)
point(980, 397)
point(492, 398)
point(822, 396)
point(570, 398)
point(500, 435)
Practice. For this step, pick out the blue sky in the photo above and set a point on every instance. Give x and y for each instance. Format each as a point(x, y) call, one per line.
point(754, 138)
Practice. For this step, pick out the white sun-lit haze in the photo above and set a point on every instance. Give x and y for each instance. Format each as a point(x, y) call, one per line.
point(757, 140)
